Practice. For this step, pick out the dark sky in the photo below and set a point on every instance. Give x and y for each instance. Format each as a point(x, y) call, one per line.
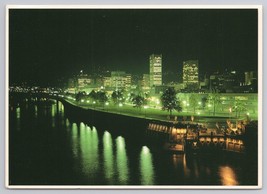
point(47, 44)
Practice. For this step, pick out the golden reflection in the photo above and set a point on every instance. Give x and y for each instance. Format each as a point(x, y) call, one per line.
point(228, 176)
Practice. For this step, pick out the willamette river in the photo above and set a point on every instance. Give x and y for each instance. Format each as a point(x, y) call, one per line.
point(47, 148)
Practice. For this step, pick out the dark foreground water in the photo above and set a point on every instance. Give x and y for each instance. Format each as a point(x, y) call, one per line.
point(46, 148)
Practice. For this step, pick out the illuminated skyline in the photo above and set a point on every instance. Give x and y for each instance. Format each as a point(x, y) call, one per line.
point(48, 44)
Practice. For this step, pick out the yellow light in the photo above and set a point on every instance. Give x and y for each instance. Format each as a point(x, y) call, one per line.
point(228, 176)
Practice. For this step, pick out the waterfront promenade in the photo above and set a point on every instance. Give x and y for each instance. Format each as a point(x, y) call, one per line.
point(206, 119)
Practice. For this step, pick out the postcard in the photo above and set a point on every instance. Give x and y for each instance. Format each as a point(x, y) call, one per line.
point(133, 97)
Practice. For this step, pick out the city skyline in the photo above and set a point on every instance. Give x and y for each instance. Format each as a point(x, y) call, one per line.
point(48, 44)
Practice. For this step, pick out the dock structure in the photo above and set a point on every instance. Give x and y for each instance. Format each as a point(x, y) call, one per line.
point(191, 138)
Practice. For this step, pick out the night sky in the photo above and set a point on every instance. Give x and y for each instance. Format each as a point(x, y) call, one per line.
point(49, 44)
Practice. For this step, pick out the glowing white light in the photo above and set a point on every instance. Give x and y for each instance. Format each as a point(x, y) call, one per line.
point(107, 103)
point(145, 149)
point(120, 104)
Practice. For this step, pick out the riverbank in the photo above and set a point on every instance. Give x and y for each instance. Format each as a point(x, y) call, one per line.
point(149, 113)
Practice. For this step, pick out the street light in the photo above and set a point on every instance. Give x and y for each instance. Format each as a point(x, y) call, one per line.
point(230, 111)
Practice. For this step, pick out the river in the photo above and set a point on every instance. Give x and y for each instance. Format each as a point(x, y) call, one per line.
point(46, 147)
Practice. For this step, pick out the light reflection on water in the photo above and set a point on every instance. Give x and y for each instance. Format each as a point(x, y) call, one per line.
point(18, 118)
point(35, 111)
point(146, 167)
point(122, 161)
point(89, 151)
point(228, 176)
point(108, 157)
point(95, 153)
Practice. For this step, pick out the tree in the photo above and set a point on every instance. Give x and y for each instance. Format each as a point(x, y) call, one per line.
point(138, 101)
point(204, 101)
point(102, 97)
point(214, 99)
point(117, 97)
point(169, 101)
point(193, 101)
point(239, 107)
point(93, 95)
point(79, 96)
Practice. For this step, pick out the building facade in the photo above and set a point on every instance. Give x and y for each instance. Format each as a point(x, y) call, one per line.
point(190, 72)
point(155, 70)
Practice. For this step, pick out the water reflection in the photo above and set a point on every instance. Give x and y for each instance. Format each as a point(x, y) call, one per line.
point(89, 150)
point(53, 113)
point(228, 176)
point(67, 123)
point(35, 111)
point(74, 138)
point(18, 118)
point(108, 157)
point(122, 161)
point(18, 112)
point(179, 163)
point(146, 167)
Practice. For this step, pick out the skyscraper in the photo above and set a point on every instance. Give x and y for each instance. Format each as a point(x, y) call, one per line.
point(155, 63)
point(190, 72)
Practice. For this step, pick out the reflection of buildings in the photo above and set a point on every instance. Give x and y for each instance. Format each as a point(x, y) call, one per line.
point(155, 64)
point(190, 73)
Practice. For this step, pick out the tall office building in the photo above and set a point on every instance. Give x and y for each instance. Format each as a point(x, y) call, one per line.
point(155, 63)
point(190, 72)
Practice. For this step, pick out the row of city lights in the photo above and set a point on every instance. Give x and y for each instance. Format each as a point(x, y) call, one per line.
point(146, 106)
